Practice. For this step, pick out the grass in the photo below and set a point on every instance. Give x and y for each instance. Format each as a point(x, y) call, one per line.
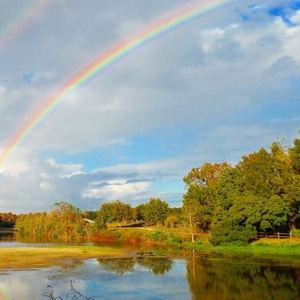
point(180, 239)
point(285, 250)
point(20, 258)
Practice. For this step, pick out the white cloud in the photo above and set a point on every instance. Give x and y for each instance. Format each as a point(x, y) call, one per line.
point(64, 170)
point(113, 192)
point(296, 18)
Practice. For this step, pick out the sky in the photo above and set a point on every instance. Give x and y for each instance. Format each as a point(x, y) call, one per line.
point(213, 89)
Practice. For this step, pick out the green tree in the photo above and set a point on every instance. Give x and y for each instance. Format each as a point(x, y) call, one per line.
point(116, 211)
point(156, 211)
point(138, 212)
point(252, 197)
point(122, 212)
point(105, 215)
point(200, 197)
point(294, 153)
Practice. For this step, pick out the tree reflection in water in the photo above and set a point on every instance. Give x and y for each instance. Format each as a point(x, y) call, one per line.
point(158, 265)
point(218, 278)
point(119, 266)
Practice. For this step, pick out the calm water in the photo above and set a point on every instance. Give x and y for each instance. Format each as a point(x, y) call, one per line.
point(151, 277)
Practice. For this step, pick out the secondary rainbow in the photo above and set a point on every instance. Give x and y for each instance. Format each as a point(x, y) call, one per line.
point(161, 26)
point(22, 18)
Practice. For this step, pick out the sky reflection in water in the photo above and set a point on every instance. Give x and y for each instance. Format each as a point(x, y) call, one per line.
point(101, 282)
point(150, 277)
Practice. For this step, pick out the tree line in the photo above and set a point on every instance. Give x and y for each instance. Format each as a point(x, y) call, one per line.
point(67, 222)
point(7, 220)
point(261, 193)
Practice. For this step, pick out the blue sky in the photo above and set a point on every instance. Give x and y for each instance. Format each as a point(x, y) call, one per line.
point(213, 90)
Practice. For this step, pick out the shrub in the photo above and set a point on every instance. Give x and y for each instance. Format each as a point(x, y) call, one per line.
point(106, 236)
point(226, 232)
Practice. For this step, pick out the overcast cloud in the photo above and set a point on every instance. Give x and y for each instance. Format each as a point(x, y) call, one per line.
point(215, 89)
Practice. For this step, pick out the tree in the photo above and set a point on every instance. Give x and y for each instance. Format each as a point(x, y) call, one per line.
point(91, 215)
point(294, 153)
point(138, 212)
point(64, 222)
point(67, 221)
point(190, 209)
point(228, 225)
point(113, 212)
point(200, 197)
point(269, 174)
point(156, 211)
point(7, 220)
point(207, 175)
point(122, 211)
point(287, 178)
point(252, 197)
point(105, 215)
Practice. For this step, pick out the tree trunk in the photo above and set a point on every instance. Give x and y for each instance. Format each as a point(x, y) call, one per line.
point(191, 228)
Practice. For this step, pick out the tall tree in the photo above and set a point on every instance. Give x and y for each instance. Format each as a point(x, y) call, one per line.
point(251, 197)
point(200, 197)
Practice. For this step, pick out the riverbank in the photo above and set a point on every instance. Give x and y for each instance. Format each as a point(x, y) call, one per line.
point(270, 249)
point(37, 257)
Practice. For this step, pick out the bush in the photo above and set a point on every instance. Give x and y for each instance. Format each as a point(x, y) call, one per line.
point(295, 233)
point(225, 233)
point(106, 236)
point(131, 236)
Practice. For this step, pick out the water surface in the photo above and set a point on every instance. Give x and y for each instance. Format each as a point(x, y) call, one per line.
point(148, 275)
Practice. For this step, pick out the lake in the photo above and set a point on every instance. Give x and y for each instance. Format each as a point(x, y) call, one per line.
point(151, 276)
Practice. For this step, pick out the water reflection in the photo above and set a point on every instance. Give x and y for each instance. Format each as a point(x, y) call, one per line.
point(146, 276)
point(158, 265)
point(218, 278)
point(12, 239)
point(7, 235)
point(95, 279)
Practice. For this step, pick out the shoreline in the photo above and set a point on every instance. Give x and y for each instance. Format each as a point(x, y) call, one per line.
point(17, 258)
point(39, 257)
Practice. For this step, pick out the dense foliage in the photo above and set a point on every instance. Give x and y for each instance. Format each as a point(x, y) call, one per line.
point(259, 194)
point(65, 222)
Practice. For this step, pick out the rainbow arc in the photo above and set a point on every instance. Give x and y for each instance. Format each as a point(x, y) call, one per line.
point(149, 33)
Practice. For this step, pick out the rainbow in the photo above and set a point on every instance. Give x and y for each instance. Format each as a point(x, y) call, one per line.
point(21, 19)
point(161, 26)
